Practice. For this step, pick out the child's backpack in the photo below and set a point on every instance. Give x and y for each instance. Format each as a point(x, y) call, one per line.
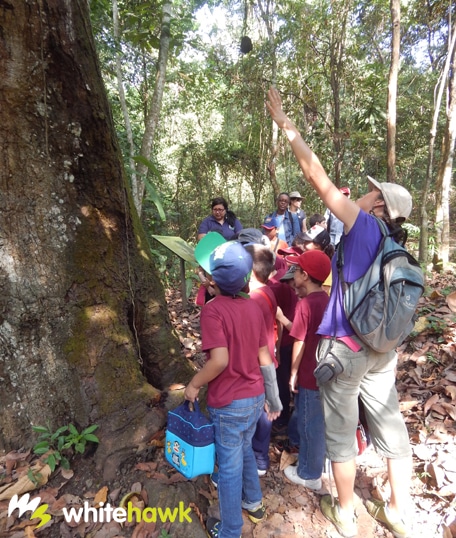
point(189, 440)
point(381, 305)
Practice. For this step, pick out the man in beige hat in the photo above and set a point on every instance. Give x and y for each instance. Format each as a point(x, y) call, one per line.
point(295, 207)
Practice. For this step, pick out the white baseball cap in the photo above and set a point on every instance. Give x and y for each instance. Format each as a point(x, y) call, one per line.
point(397, 198)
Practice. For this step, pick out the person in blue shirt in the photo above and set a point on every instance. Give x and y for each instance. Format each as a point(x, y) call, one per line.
point(288, 223)
point(222, 220)
point(335, 226)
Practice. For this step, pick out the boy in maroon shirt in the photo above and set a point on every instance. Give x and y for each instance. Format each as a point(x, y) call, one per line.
point(239, 371)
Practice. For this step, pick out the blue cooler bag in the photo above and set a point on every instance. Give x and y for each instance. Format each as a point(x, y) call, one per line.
point(189, 443)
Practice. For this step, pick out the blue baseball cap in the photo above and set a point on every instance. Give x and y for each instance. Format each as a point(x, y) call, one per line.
point(230, 266)
point(270, 222)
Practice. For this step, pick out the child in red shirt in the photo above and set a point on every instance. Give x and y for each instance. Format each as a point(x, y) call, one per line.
point(238, 372)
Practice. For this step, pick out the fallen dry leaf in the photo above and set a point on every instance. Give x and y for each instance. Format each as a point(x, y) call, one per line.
point(450, 391)
point(147, 466)
point(101, 496)
point(451, 301)
point(430, 403)
point(41, 473)
point(287, 459)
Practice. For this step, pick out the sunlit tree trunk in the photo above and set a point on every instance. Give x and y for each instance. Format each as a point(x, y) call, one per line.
point(153, 115)
point(424, 223)
point(84, 332)
point(340, 11)
point(444, 175)
point(267, 15)
point(395, 8)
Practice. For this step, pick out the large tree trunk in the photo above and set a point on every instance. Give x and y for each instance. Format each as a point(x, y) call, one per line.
point(83, 323)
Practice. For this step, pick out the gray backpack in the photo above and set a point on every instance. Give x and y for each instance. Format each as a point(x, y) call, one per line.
point(381, 305)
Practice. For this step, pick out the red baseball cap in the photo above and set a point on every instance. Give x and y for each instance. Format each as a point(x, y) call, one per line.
point(290, 251)
point(314, 262)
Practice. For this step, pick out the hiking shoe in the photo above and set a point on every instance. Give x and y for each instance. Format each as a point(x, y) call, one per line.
point(379, 511)
point(346, 526)
point(257, 514)
point(291, 472)
point(213, 527)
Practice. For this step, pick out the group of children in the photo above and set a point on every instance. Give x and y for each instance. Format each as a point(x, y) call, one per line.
point(259, 339)
point(246, 391)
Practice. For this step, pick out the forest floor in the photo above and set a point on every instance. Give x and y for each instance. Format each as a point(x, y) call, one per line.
point(426, 382)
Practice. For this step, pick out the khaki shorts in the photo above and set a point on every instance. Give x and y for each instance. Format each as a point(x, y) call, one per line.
point(372, 376)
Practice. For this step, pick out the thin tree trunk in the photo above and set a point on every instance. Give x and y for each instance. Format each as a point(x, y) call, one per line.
point(154, 113)
point(445, 170)
point(266, 16)
point(392, 90)
point(424, 224)
point(337, 49)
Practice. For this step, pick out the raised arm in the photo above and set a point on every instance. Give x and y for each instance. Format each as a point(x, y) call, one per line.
point(344, 209)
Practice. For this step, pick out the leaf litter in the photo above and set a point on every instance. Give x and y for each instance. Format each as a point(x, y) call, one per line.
point(426, 379)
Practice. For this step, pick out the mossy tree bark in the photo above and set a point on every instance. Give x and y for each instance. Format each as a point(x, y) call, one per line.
point(84, 332)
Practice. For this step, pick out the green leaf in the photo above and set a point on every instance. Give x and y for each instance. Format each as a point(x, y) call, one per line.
point(51, 461)
point(79, 447)
point(155, 199)
point(65, 463)
point(40, 429)
point(59, 432)
point(43, 444)
point(90, 429)
point(73, 429)
point(41, 450)
point(91, 437)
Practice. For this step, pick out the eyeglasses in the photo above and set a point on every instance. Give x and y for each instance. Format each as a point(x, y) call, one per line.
point(218, 210)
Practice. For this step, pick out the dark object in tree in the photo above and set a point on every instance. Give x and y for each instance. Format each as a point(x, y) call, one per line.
point(246, 45)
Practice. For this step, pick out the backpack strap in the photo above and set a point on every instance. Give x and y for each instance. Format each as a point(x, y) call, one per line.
point(340, 252)
point(340, 264)
point(265, 295)
point(268, 300)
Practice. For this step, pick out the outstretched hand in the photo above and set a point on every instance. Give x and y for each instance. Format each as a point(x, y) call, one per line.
point(274, 106)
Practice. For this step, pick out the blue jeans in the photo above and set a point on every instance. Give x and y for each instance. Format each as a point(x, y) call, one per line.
point(311, 428)
point(238, 482)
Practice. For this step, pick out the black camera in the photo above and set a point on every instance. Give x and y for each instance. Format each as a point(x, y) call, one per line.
point(328, 369)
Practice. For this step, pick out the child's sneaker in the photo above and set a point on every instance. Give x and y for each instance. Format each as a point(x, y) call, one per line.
point(212, 527)
point(291, 472)
point(379, 511)
point(346, 526)
point(257, 514)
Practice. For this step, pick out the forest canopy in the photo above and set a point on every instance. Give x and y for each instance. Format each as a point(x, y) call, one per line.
point(211, 134)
